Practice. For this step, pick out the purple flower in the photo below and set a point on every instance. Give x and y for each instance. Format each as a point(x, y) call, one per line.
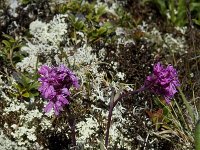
point(55, 85)
point(163, 81)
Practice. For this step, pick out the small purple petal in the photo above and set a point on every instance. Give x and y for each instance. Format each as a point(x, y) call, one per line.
point(44, 70)
point(65, 91)
point(167, 99)
point(57, 107)
point(62, 99)
point(49, 92)
point(48, 107)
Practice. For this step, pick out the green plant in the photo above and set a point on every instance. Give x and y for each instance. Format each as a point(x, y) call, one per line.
point(197, 136)
point(177, 119)
point(26, 87)
point(124, 19)
point(176, 11)
point(84, 9)
point(195, 8)
point(26, 2)
point(10, 53)
point(87, 18)
point(97, 33)
point(171, 120)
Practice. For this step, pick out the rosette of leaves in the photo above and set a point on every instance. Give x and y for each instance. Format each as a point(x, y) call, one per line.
point(26, 87)
point(10, 52)
point(84, 17)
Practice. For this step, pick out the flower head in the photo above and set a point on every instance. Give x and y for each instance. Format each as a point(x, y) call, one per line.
point(55, 85)
point(163, 81)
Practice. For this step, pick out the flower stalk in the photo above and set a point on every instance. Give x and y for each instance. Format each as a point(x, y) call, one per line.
point(113, 103)
point(72, 124)
point(55, 87)
point(163, 81)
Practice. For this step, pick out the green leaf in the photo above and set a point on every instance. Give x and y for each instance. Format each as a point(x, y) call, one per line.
point(101, 30)
point(79, 25)
point(26, 94)
point(35, 85)
point(10, 38)
point(196, 21)
point(187, 104)
point(197, 136)
point(26, 81)
point(18, 87)
point(101, 10)
point(172, 11)
point(165, 111)
point(161, 5)
point(25, 1)
point(16, 47)
point(89, 17)
point(33, 94)
point(195, 6)
point(6, 43)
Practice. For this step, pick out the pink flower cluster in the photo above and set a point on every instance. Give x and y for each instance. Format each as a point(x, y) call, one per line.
point(55, 85)
point(163, 81)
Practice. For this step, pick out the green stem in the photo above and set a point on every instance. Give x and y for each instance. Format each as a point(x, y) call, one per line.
point(113, 103)
point(188, 107)
point(72, 124)
point(197, 136)
point(180, 111)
